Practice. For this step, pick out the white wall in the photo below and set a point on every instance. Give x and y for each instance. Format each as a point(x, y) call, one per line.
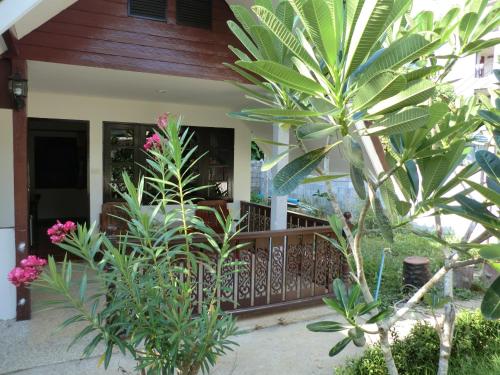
point(96, 110)
point(7, 244)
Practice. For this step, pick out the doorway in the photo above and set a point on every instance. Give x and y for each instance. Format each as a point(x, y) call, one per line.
point(58, 179)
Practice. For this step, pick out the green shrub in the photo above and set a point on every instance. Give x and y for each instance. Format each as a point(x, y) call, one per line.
point(476, 340)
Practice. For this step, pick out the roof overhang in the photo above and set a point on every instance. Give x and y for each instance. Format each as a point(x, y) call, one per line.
point(22, 17)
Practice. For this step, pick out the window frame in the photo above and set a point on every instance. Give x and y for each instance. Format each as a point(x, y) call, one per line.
point(205, 137)
point(164, 18)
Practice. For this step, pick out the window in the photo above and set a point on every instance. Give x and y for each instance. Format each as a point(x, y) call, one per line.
point(196, 13)
point(152, 9)
point(123, 151)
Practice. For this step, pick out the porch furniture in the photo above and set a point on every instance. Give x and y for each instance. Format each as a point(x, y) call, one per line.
point(110, 221)
point(209, 217)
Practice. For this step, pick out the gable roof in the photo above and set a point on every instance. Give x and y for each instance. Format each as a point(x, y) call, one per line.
point(22, 17)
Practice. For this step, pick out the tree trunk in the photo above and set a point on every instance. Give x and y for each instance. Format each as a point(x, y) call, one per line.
point(446, 338)
point(386, 350)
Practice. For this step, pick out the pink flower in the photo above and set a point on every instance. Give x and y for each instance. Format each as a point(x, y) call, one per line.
point(163, 120)
point(69, 226)
point(58, 231)
point(31, 268)
point(17, 276)
point(33, 261)
point(153, 142)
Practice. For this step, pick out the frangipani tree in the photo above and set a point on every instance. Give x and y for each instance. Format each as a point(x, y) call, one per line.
point(364, 76)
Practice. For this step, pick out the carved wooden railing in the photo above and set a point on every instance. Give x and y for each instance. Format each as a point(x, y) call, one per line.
point(279, 268)
point(258, 218)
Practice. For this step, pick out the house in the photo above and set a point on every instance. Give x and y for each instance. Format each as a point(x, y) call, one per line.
point(98, 73)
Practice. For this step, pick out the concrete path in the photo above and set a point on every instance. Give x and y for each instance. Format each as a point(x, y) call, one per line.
point(273, 344)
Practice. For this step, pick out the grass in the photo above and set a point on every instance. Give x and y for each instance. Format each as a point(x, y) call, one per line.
point(480, 365)
point(405, 244)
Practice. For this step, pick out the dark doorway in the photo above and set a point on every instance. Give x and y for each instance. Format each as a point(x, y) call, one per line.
point(58, 178)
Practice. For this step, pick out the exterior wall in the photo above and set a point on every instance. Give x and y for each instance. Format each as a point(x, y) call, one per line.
point(100, 33)
point(97, 110)
point(7, 245)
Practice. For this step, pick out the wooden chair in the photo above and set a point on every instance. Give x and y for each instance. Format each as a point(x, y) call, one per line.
point(209, 217)
point(109, 223)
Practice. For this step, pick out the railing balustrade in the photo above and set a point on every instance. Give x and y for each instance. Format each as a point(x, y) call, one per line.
point(258, 218)
point(280, 268)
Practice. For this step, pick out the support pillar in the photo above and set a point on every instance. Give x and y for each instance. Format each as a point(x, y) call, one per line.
point(21, 194)
point(279, 205)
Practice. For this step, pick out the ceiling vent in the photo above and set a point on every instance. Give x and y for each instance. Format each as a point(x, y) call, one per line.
point(151, 9)
point(196, 13)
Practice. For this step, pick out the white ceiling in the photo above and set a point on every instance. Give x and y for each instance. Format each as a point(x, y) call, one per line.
point(89, 81)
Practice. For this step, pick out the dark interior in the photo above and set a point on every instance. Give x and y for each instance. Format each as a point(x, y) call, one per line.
point(58, 173)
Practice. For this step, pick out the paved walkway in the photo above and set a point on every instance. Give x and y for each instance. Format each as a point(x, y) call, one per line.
point(274, 344)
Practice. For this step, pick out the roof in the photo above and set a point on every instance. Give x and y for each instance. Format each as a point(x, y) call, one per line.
point(25, 16)
point(22, 17)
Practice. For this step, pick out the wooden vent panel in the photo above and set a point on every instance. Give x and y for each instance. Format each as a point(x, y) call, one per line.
point(153, 9)
point(196, 13)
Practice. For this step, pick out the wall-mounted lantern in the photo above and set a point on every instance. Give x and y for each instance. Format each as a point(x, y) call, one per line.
point(18, 88)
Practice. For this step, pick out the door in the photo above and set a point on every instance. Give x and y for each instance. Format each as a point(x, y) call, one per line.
point(58, 178)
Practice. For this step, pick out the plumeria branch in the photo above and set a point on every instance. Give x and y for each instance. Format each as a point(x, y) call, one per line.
point(429, 284)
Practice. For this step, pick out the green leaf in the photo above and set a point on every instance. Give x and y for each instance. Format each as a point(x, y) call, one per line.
point(490, 307)
point(244, 39)
point(378, 317)
point(490, 163)
point(492, 117)
point(284, 35)
point(489, 194)
point(382, 220)
point(379, 87)
point(280, 112)
point(316, 131)
point(244, 17)
point(339, 346)
point(333, 304)
point(473, 210)
point(370, 24)
point(340, 292)
point(265, 41)
point(406, 120)
point(467, 26)
point(290, 176)
point(326, 326)
point(285, 14)
point(490, 251)
point(269, 164)
point(270, 142)
point(83, 286)
point(479, 45)
point(283, 75)
point(435, 170)
point(400, 52)
point(422, 72)
point(358, 181)
point(311, 180)
point(320, 27)
point(415, 94)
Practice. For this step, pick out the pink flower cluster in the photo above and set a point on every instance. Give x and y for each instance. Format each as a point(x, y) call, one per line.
point(153, 142)
point(163, 120)
point(31, 268)
point(58, 231)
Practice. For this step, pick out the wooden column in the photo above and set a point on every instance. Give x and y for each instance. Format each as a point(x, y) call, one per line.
point(21, 195)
